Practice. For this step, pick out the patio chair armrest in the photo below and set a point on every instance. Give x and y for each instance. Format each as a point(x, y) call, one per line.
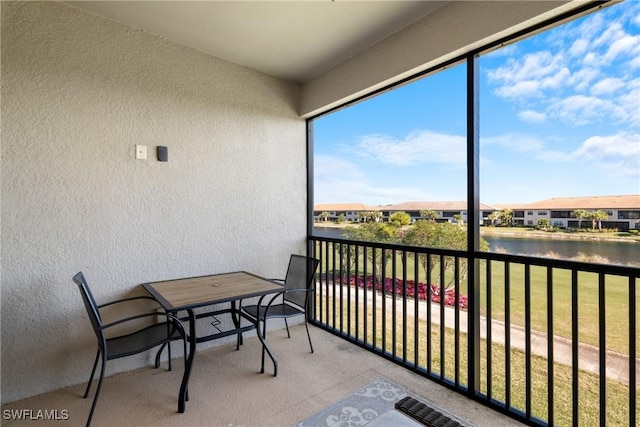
point(127, 300)
point(170, 316)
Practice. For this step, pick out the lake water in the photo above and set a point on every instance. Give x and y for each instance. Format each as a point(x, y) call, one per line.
point(616, 252)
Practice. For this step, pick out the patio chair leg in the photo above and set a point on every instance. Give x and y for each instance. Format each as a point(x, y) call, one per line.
point(93, 372)
point(157, 364)
point(264, 336)
point(287, 325)
point(308, 335)
point(95, 399)
point(184, 345)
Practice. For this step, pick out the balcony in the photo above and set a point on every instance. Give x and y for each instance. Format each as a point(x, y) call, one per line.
point(495, 346)
point(227, 388)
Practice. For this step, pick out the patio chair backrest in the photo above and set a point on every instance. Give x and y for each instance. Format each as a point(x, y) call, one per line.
point(90, 305)
point(300, 275)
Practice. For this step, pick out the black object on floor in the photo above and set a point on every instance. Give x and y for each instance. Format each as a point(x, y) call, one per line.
point(424, 414)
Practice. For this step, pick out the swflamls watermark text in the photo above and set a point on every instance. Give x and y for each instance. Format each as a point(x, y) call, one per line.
point(36, 414)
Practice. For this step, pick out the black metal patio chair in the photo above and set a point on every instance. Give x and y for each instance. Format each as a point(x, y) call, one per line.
point(137, 341)
point(294, 301)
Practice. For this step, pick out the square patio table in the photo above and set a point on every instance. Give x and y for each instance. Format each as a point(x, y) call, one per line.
point(194, 292)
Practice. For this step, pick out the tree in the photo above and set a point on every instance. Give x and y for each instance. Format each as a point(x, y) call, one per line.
point(544, 223)
point(458, 219)
point(341, 218)
point(443, 236)
point(400, 218)
point(429, 215)
point(375, 232)
point(580, 214)
point(506, 217)
point(324, 216)
point(598, 216)
point(494, 217)
point(362, 216)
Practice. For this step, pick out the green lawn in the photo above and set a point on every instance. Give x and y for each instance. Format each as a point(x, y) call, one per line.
point(588, 401)
point(616, 299)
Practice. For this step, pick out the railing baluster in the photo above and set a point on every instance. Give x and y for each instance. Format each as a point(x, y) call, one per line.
point(374, 295)
point(507, 335)
point(574, 345)
point(383, 274)
point(456, 302)
point(333, 284)
point(527, 337)
point(443, 354)
point(325, 314)
point(341, 275)
point(603, 349)
point(550, 339)
point(394, 275)
point(338, 253)
point(365, 296)
point(429, 297)
point(489, 330)
point(633, 390)
point(347, 276)
point(357, 290)
point(416, 312)
point(404, 306)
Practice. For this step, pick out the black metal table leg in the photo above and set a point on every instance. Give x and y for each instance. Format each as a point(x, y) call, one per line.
point(187, 369)
point(236, 322)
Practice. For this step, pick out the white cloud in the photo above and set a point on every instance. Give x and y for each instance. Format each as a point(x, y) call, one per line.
point(525, 89)
point(534, 146)
point(607, 86)
point(618, 155)
point(579, 110)
point(418, 147)
point(582, 79)
point(584, 75)
point(337, 180)
point(622, 144)
point(531, 116)
point(579, 47)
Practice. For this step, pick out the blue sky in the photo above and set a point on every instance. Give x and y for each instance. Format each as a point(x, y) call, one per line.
point(559, 116)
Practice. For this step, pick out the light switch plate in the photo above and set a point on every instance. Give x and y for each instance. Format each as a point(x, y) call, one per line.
point(141, 152)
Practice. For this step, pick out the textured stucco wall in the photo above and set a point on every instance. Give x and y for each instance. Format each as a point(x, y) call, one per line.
point(78, 92)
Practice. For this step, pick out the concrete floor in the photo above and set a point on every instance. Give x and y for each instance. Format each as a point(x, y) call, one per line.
point(226, 388)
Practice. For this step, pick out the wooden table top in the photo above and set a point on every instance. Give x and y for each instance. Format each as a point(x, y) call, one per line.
point(207, 290)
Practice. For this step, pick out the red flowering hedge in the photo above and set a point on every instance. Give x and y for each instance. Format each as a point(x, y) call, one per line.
point(368, 283)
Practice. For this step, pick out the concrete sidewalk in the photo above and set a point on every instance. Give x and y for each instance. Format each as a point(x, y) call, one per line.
point(588, 355)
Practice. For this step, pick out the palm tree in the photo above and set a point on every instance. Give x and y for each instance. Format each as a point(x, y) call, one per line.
point(458, 219)
point(429, 215)
point(580, 214)
point(506, 216)
point(493, 217)
point(599, 216)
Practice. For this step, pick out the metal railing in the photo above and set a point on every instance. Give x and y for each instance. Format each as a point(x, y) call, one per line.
point(546, 341)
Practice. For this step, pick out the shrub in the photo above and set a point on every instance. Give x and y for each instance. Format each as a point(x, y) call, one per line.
point(449, 296)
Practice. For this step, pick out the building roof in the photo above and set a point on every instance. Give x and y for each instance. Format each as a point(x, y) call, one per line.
point(455, 205)
point(631, 201)
point(346, 207)
point(406, 206)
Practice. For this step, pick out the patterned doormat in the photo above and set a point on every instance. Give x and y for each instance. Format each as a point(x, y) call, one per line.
point(364, 406)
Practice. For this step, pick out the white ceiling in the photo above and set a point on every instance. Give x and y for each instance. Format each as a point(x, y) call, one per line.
point(292, 40)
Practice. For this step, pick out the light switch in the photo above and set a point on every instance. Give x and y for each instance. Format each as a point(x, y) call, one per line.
point(141, 152)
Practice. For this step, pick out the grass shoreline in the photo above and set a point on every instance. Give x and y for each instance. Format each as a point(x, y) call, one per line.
point(531, 233)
